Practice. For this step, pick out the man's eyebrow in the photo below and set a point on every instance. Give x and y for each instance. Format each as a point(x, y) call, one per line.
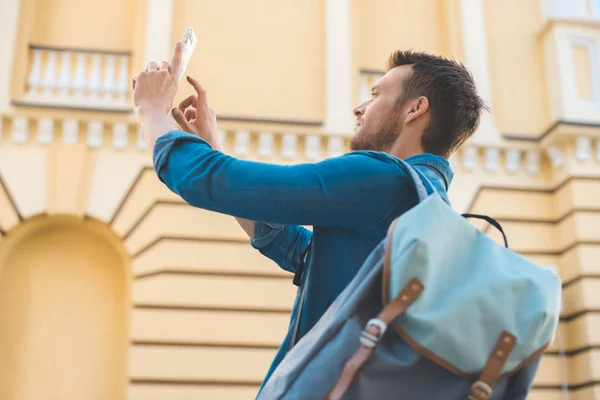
point(375, 87)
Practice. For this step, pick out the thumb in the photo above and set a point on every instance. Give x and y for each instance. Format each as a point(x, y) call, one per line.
point(180, 119)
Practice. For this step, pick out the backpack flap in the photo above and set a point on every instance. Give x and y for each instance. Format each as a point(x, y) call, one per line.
point(475, 290)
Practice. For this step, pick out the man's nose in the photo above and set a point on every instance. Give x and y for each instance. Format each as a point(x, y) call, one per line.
point(360, 110)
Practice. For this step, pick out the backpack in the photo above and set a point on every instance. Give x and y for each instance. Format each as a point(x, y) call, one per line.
point(437, 311)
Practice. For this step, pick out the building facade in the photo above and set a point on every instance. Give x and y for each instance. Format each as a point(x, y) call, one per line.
point(112, 288)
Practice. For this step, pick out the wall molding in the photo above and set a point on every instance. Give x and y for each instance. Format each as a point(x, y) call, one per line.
point(187, 272)
point(33, 46)
point(184, 238)
point(154, 343)
point(170, 307)
point(549, 190)
point(194, 382)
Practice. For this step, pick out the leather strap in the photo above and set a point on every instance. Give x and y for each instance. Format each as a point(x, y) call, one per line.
point(372, 334)
point(482, 389)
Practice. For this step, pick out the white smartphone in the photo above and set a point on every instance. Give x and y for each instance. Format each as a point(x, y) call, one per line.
point(189, 41)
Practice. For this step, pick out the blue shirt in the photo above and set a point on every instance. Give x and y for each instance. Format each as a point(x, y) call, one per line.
point(349, 201)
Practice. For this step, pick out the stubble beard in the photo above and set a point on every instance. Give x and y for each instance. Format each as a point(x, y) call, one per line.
point(382, 139)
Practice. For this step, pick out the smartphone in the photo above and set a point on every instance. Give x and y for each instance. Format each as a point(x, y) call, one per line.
point(189, 41)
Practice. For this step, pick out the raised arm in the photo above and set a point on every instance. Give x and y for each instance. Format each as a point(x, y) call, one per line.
point(353, 191)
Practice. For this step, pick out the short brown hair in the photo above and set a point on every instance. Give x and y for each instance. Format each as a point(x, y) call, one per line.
point(454, 104)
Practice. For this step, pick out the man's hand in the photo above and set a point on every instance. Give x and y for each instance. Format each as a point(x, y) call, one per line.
point(155, 87)
point(196, 117)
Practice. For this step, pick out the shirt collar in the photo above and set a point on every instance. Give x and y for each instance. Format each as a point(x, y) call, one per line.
point(439, 165)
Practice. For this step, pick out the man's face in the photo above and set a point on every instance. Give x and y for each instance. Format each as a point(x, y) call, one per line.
point(379, 120)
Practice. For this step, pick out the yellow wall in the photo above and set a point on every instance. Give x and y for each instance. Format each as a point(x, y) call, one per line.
point(268, 60)
point(102, 25)
point(517, 67)
point(388, 25)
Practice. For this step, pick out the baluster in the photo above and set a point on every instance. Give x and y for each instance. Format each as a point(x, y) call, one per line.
point(49, 82)
point(583, 148)
point(109, 79)
point(120, 135)
point(289, 144)
point(64, 78)
point(95, 133)
point(20, 129)
point(94, 79)
point(79, 81)
point(533, 161)
point(513, 160)
point(265, 144)
point(469, 155)
point(492, 158)
point(45, 130)
point(336, 146)
point(123, 82)
point(70, 131)
point(242, 143)
point(312, 147)
point(35, 75)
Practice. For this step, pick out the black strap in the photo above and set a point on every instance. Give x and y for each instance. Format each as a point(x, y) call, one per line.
point(492, 222)
point(297, 280)
point(296, 327)
point(302, 266)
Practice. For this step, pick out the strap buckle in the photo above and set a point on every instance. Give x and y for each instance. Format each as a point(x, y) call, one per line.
point(370, 340)
point(480, 391)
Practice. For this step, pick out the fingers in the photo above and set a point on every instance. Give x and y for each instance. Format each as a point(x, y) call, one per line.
point(191, 100)
point(135, 78)
point(199, 89)
point(190, 114)
point(165, 66)
point(176, 63)
point(152, 66)
point(183, 123)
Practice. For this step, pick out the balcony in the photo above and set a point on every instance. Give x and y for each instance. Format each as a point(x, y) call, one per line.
point(77, 79)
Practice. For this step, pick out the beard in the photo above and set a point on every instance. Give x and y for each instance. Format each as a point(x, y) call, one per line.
point(381, 138)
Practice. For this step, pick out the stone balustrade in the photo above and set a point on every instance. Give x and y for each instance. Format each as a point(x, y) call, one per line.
point(78, 78)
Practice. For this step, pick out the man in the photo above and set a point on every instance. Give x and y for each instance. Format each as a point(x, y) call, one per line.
point(422, 110)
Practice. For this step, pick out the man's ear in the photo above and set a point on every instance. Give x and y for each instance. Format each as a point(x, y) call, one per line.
point(416, 108)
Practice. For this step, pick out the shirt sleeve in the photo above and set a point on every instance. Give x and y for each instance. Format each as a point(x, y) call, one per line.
point(353, 191)
point(284, 244)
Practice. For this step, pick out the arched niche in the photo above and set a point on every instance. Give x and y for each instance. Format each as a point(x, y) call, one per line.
point(64, 311)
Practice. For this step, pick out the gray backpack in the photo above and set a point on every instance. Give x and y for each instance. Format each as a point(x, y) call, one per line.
point(437, 311)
